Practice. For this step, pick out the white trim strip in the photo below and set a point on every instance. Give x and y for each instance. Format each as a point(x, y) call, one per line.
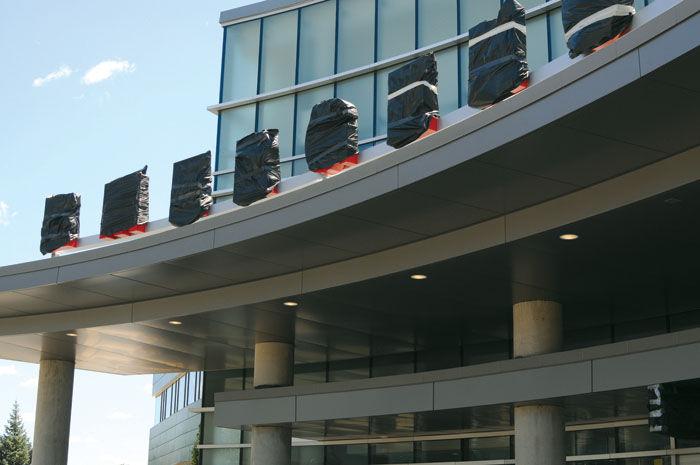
point(605, 13)
point(497, 30)
point(412, 85)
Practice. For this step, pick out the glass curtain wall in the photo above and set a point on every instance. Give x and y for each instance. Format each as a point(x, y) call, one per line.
point(334, 36)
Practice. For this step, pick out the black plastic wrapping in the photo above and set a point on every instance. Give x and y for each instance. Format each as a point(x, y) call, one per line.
point(674, 409)
point(257, 166)
point(497, 64)
point(125, 203)
point(409, 114)
point(61, 223)
point(190, 195)
point(596, 34)
point(331, 136)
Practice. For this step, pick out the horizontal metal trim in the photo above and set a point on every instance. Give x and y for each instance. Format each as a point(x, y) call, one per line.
point(170, 383)
point(201, 409)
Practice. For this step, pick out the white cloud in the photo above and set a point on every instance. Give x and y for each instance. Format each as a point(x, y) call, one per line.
point(118, 415)
point(7, 369)
point(105, 70)
point(5, 216)
point(62, 72)
point(30, 383)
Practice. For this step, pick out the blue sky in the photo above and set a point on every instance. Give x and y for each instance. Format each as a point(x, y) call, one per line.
point(89, 91)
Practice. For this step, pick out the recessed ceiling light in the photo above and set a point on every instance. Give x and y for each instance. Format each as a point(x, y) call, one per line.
point(175, 322)
point(72, 334)
point(290, 303)
point(419, 277)
point(568, 237)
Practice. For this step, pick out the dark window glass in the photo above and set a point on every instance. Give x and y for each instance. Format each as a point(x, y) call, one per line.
point(310, 373)
point(392, 424)
point(636, 438)
point(643, 328)
point(588, 442)
point(393, 364)
point(398, 452)
point(439, 451)
point(489, 448)
point(351, 454)
point(307, 455)
point(348, 370)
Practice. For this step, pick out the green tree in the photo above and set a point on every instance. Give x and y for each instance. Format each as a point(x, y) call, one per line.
point(15, 448)
point(195, 452)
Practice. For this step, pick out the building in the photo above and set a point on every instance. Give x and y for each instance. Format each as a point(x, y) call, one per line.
point(502, 291)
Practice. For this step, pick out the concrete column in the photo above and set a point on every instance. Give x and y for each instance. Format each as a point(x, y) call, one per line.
point(53, 410)
point(539, 428)
point(273, 367)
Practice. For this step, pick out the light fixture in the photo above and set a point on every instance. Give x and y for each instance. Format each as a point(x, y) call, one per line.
point(72, 334)
point(175, 322)
point(290, 303)
point(568, 237)
point(419, 277)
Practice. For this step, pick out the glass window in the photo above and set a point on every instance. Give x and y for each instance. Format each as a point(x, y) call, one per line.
point(642, 328)
point(437, 20)
point(438, 358)
point(396, 27)
point(464, 75)
point(556, 34)
point(689, 459)
point(240, 79)
point(448, 80)
point(157, 404)
point(278, 113)
point(472, 12)
point(181, 394)
point(530, 3)
point(351, 454)
point(639, 4)
point(305, 102)
point(360, 91)
point(317, 41)
point(307, 455)
point(489, 448)
point(348, 370)
point(355, 33)
point(636, 438)
point(393, 364)
point(398, 452)
point(279, 50)
point(286, 169)
point(485, 352)
point(382, 83)
point(299, 166)
point(589, 442)
point(537, 48)
point(235, 124)
point(221, 456)
point(439, 451)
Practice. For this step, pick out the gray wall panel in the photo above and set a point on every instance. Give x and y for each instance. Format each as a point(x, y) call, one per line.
point(656, 366)
point(405, 399)
point(247, 412)
point(517, 386)
point(171, 441)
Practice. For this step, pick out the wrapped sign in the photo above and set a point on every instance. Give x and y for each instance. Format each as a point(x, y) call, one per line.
point(674, 409)
point(125, 206)
point(61, 225)
point(190, 195)
point(590, 24)
point(497, 56)
point(413, 101)
point(257, 167)
point(331, 137)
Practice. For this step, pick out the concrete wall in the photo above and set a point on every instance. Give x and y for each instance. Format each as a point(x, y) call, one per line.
point(171, 441)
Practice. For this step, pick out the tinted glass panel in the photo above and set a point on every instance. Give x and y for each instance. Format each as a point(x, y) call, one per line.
point(240, 78)
point(472, 12)
point(396, 27)
point(305, 102)
point(537, 49)
point(556, 34)
point(355, 33)
point(309, 455)
point(279, 48)
point(635, 438)
point(588, 442)
point(437, 20)
point(382, 83)
point(353, 454)
point(235, 124)
point(278, 113)
point(360, 91)
point(439, 451)
point(448, 80)
point(401, 452)
point(317, 41)
point(489, 448)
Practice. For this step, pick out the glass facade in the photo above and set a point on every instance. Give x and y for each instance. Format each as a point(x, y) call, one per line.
point(184, 391)
point(333, 36)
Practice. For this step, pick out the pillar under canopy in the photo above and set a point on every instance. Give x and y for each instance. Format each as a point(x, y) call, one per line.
point(539, 428)
point(53, 412)
point(273, 367)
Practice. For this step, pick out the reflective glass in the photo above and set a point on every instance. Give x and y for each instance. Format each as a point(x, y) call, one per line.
point(299, 167)
point(317, 41)
point(279, 49)
point(221, 456)
point(399, 452)
point(642, 328)
point(472, 12)
point(286, 169)
point(192, 388)
point(489, 448)
point(309, 373)
point(156, 415)
point(589, 442)
point(485, 352)
point(348, 370)
point(307, 455)
point(240, 79)
point(352, 454)
point(639, 4)
point(556, 34)
point(437, 20)
point(392, 424)
point(235, 124)
point(464, 75)
point(305, 102)
point(181, 394)
point(382, 83)
point(439, 451)
point(393, 364)
point(530, 3)
point(355, 33)
point(396, 27)
point(278, 113)
point(360, 91)
point(636, 438)
point(689, 460)
point(448, 80)
point(537, 49)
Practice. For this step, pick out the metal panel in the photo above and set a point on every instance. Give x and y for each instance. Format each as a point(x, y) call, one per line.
point(234, 414)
